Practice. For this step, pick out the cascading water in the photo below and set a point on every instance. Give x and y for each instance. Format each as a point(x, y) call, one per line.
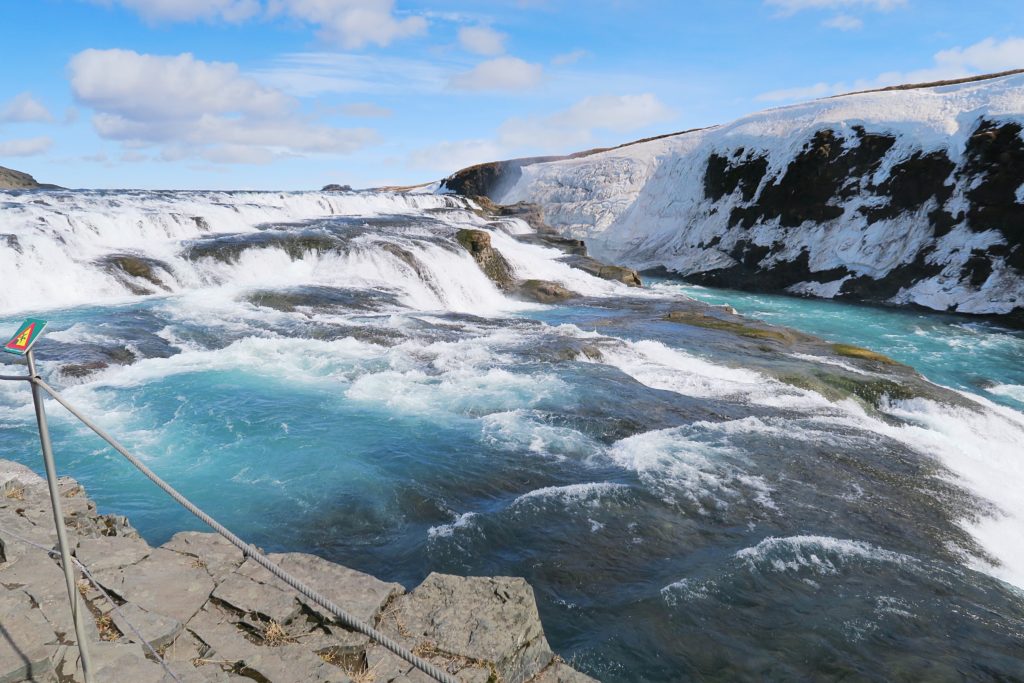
point(333, 373)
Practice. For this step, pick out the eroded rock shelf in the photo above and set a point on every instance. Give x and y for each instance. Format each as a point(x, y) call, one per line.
point(216, 616)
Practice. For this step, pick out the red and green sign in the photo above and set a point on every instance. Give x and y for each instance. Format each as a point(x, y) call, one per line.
point(25, 337)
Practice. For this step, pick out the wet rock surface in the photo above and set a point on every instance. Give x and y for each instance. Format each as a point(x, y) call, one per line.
point(214, 616)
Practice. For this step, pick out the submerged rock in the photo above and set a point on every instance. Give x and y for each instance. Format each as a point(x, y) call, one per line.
point(740, 326)
point(606, 271)
point(544, 291)
point(137, 273)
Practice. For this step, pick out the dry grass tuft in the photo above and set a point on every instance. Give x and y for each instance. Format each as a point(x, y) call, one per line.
point(274, 634)
point(16, 493)
point(108, 631)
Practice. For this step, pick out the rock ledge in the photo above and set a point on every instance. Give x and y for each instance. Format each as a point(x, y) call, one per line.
point(216, 616)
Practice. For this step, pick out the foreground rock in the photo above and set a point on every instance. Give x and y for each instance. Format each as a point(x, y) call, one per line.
point(215, 616)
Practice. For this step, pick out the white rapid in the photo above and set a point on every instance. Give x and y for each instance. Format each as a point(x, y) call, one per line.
point(51, 244)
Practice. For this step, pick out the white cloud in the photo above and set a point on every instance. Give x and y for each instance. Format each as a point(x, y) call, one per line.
point(843, 22)
point(567, 130)
point(567, 58)
point(167, 87)
point(24, 109)
point(986, 56)
point(574, 127)
point(193, 108)
point(314, 73)
point(367, 110)
point(989, 55)
point(352, 24)
point(807, 92)
point(446, 157)
point(482, 40)
point(155, 11)
point(789, 7)
point(25, 147)
point(503, 73)
point(618, 113)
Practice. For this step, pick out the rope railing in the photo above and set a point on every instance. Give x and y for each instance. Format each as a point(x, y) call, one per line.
point(251, 551)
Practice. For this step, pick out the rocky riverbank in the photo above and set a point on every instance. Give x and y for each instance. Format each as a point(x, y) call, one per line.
point(908, 197)
point(17, 180)
point(216, 616)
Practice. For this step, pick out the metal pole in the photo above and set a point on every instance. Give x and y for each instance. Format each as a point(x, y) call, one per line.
point(58, 519)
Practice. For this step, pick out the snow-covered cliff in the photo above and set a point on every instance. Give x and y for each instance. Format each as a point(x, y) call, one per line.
point(908, 196)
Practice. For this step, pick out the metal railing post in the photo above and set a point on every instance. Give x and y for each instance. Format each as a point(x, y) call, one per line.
point(58, 519)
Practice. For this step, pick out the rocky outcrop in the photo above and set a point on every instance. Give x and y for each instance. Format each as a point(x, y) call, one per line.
point(17, 180)
point(494, 265)
point(138, 273)
point(497, 268)
point(544, 291)
point(911, 196)
point(215, 616)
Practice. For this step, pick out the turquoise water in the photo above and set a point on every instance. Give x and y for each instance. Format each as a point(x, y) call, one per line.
point(680, 514)
point(955, 351)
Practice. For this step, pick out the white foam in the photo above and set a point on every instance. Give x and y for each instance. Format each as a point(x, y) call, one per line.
point(60, 235)
point(590, 493)
point(522, 430)
point(672, 463)
point(464, 521)
point(821, 555)
point(1014, 391)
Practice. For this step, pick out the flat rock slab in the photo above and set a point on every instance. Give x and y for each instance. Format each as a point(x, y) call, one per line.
point(281, 664)
point(560, 672)
point(488, 619)
point(252, 597)
point(38, 574)
point(26, 639)
point(113, 662)
point(111, 552)
point(156, 629)
point(165, 582)
point(211, 550)
point(361, 595)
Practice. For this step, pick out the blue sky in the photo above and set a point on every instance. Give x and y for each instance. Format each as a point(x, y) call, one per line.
point(293, 94)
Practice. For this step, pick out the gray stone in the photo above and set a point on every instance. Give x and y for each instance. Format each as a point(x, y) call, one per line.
point(26, 639)
point(361, 595)
point(212, 551)
point(165, 582)
point(250, 596)
point(560, 672)
point(38, 574)
point(113, 662)
point(156, 629)
point(12, 548)
point(186, 648)
point(384, 667)
point(491, 620)
point(544, 291)
point(288, 662)
point(111, 552)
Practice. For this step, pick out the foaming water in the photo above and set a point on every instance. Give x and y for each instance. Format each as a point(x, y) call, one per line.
point(334, 374)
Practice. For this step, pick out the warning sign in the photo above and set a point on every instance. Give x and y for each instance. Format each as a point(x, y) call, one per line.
point(25, 337)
